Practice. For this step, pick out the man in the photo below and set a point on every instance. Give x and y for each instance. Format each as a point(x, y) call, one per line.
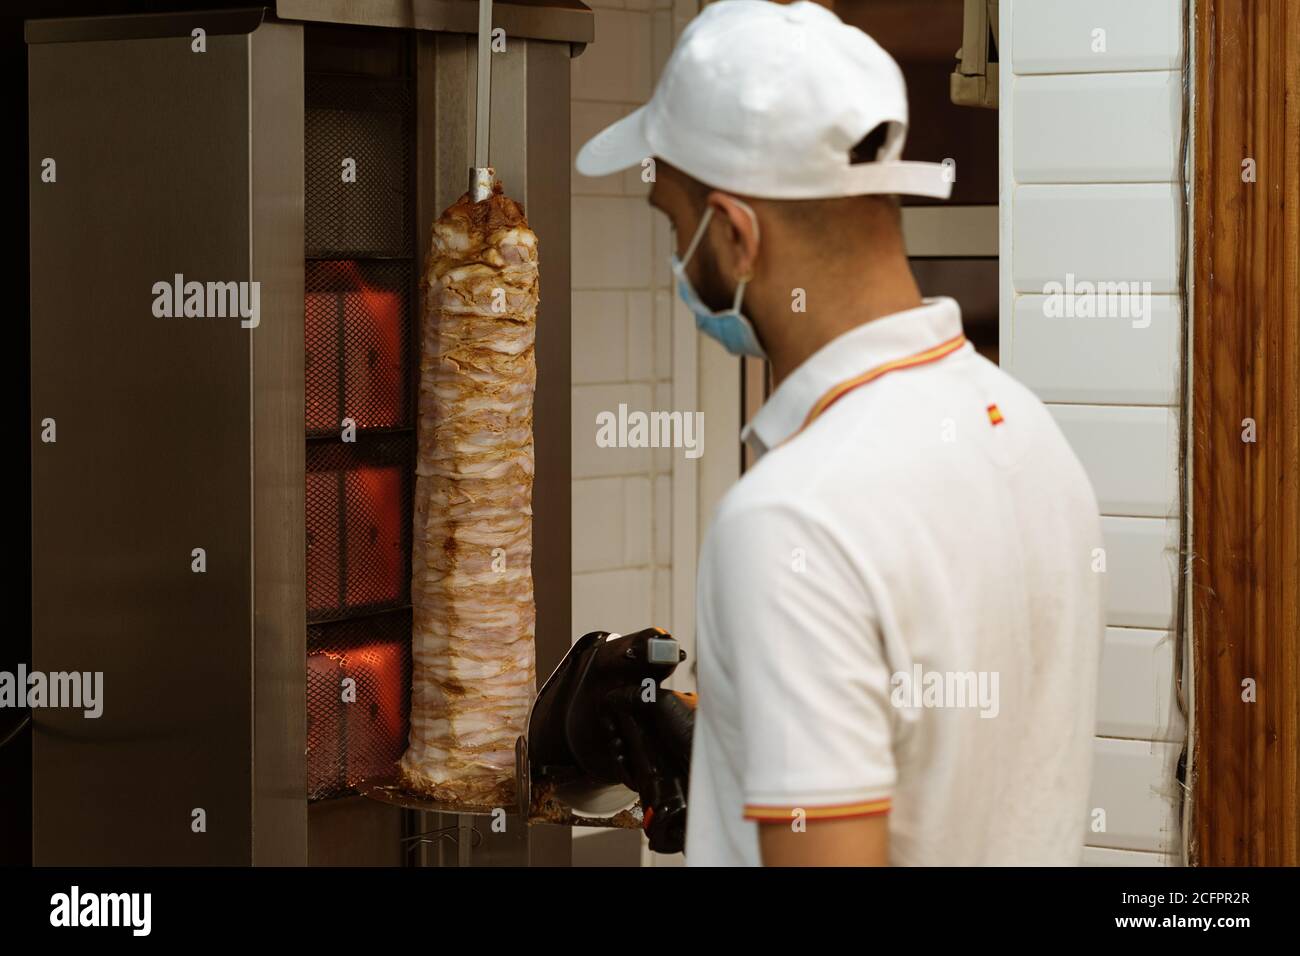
point(899, 619)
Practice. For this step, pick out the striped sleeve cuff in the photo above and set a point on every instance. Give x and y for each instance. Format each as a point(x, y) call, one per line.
point(767, 813)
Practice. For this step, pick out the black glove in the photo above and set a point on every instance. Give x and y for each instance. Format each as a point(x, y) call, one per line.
point(652, 744)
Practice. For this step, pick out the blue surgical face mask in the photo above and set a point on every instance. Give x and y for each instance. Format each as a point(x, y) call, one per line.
point(730, 326)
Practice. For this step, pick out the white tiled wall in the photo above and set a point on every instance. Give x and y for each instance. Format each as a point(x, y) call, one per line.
point(633, 558)
point(1091, 125)
point(623, 314)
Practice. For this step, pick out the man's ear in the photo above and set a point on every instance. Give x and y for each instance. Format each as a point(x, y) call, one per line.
point(743, 232)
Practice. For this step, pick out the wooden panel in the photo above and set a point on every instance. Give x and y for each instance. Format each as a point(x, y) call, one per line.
point(1246, 364)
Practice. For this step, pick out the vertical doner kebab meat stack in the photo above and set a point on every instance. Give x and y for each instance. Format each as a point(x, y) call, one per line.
point(472, 586)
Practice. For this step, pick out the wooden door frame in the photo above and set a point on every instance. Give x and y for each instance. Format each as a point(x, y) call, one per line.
point(1244, 554)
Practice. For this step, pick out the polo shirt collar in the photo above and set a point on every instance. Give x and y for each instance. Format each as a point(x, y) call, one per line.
point(873, 343)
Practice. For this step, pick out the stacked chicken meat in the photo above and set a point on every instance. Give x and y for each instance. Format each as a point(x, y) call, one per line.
point(472, 590)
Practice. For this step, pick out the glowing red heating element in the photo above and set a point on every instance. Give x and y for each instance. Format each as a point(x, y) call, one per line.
point(323, 553)
point(356, 710)
point(374, 525)
point(354, 351)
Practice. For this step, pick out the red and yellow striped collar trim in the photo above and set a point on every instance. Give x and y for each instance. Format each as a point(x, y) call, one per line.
point(839, 390)
point(839, 811)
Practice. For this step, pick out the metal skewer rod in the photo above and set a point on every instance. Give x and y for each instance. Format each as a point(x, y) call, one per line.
point(482, 176)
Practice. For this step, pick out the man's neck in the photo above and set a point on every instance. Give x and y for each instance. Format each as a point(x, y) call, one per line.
point(833, 309)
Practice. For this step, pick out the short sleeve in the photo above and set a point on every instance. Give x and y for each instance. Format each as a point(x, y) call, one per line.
point(800, 635)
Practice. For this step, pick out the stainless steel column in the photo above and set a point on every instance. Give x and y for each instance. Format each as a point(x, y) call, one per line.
point(172, 434)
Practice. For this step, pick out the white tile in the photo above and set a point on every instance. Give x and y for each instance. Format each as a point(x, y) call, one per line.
point(597, 516)
point(1098, 233)
point(663, 519)
point(1135, 690)
point(1058, 36)
point(661, 273)
point(598, 344)
point(661, 41)
point(1130, 454)
point(663, 599)
point(1097, 127)
point(664, 396)
point(638, 521)
point(586, 119)
point(640, 336)
point(1141, 578)
point(1098, 856)
point(589, 460)
point(1133, 781)
point(618, 601)
point(611, 243)
point(1097, 360)
point(663, 457)
point(616, 67)
point(636, 182)
point(664, 335)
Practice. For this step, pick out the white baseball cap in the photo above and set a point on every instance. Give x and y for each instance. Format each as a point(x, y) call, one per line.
point(767, 99)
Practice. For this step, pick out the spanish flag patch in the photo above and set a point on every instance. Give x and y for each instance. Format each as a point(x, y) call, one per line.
point(995, 415)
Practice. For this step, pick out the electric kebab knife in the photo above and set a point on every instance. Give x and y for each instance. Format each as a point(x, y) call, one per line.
point(604, 732)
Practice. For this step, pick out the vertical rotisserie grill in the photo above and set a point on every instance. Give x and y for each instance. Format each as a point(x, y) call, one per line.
point(226, 688)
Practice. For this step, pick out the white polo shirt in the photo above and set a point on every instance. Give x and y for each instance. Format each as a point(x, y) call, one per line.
point(899, 612)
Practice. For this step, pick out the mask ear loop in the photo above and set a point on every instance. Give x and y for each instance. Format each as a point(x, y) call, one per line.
point(744, 280)
point(740, 292)
point(699, 234)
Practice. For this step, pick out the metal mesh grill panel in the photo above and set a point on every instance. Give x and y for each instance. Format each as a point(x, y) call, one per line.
point(367, 121)
point(359, 345)
point(359, 507)
point(358, 694)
